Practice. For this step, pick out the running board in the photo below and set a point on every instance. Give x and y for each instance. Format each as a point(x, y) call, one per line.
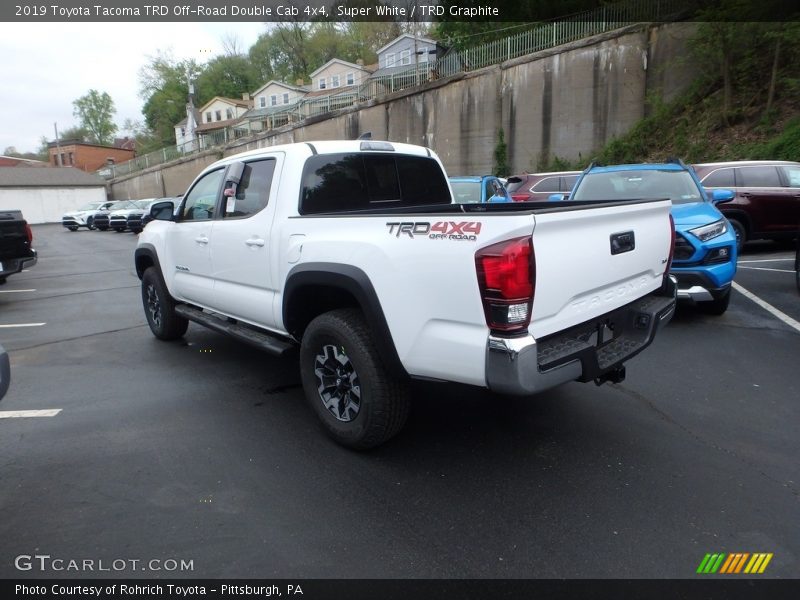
point(259, 339)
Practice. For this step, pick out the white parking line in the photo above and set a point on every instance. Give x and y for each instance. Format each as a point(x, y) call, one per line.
point(22, 325)
point(768, 307)
point(767, 269)
point(18, 414)
point(14, 291)
point(766, 260)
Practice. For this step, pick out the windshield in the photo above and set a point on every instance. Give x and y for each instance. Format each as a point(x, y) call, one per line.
point(637, 184)
point(90, 206)
point(143, 203)
point(466, 192)
point(122, 204)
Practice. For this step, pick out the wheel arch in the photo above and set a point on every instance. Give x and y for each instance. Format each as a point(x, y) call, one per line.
point(312, 289)
point(146, 256)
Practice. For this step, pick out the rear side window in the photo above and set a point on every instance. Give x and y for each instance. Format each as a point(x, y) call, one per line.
point(792, 176)
point(720, 178)
point(758, 177)
point(548, 184)
point(362, 181)
point(568, 182)
point(252, 192)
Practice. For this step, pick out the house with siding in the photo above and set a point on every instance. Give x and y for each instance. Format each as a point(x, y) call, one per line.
point(272, 104)
point(335, 85)
point(406, 52)
point(217, 115)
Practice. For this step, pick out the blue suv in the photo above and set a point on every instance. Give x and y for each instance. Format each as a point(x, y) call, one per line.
point(704, 260)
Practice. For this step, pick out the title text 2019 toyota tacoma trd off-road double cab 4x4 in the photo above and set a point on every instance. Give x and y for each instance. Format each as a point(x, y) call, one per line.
point(354, 251)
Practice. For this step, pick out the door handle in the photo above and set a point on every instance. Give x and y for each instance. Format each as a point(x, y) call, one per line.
point(201, 240)
point(255, 242)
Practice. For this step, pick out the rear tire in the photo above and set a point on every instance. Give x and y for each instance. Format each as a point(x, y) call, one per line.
point(360, 404)
point(717, 306)
point(72, 228)
point(159, 308)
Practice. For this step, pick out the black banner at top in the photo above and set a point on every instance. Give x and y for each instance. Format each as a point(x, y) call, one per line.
point(519, 11)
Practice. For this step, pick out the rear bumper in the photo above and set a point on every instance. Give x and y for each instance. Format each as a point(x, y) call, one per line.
point(586, 352)
point(15, 265)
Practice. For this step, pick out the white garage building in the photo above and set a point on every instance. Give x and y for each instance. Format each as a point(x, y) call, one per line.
point(44, 194)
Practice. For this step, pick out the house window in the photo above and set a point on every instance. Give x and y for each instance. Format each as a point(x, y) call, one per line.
point(286, 98)
point(55, 160)
point(321, 83)
point(335, 81)
point(262, 101)
point(350, 79)
point(218, 114)
point(273, 100)
point(229, 113)
point(208, 117)
point(423, 54)
point(390, 59)
point(71, 158)
point(405, 57)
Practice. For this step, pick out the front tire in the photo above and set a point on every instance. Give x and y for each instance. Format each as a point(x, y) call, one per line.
point(72, 228)
point(159, 308)
point(90, 223)
point(797, 266)
point(741, 233)
point(360, 404)
point(718, 306)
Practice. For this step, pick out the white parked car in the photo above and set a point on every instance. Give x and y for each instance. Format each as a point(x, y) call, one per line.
point(84, 216)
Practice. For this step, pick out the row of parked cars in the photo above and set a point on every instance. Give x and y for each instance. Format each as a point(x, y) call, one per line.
point(119, 215)
point(717, 207)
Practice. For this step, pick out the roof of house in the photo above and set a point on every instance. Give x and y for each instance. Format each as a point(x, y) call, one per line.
point(79, 142)
point(407, 35)
point(349, 65)
point(333, 91)
point(182, 122)
point(216, 125)
point(296, 88)
point(48, 177)
point(234, 101)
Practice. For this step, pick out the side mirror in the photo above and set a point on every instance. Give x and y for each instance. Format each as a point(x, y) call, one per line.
point(162, 211)
point(718, 196)
point(5, 372)
point(555, 197)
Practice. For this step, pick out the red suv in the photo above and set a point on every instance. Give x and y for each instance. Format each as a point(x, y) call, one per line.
point(767, 202)
point(539, 186)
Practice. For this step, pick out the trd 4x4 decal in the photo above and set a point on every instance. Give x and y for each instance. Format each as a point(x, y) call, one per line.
point(441, 230)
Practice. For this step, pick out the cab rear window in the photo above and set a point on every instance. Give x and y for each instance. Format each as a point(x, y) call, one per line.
point(368, 181)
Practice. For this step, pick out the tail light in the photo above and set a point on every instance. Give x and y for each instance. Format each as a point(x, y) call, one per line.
point(507, 282)
point(520, 197)
point(29, 233)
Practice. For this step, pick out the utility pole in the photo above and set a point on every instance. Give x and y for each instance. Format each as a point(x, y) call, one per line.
point(58, 147)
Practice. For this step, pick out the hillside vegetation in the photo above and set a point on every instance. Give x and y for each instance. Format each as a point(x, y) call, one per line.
point(744, 103)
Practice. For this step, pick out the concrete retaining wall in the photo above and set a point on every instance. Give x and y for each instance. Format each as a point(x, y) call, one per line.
point(565, 102)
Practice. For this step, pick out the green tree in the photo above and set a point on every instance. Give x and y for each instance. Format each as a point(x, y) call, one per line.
point(228, 76)
point(501, 168)
point(96, 112)
point(164, 86)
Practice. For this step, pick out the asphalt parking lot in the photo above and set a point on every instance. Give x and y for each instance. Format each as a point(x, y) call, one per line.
point(204, 451)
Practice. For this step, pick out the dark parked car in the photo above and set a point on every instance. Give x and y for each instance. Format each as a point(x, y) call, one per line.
point(797, 264)
point(538, 186)
point(102, 220)
point(767, 202)
point(16, 238)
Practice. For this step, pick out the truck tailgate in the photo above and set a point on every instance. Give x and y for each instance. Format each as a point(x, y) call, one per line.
point(13, 237)
point(592, 261)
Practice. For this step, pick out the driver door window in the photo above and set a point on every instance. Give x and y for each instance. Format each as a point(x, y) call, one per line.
point(201, 201)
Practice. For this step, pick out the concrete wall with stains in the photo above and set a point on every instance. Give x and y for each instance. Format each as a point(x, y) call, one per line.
point(565, 102)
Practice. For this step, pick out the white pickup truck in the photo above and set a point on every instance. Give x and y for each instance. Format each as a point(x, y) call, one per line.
point(355, 252)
